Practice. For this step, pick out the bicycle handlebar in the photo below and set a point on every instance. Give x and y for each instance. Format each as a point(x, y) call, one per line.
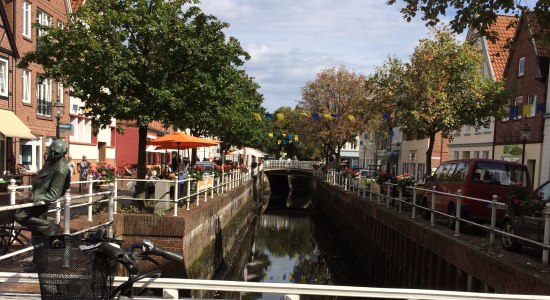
point(149, 248)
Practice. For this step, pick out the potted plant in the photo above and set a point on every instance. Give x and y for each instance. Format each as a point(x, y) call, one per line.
point(404, 180)
point(196, 172)
point(104, 172)
point(243, 168)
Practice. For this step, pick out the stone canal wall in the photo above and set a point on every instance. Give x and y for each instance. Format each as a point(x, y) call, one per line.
point(398, 251)
point(204, 234)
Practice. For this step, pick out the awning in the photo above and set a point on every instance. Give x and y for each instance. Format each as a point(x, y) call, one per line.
point(151, 148)
point(249, 151)
point(12, 126)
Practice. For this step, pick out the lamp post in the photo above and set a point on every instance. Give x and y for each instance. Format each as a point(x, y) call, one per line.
point(58, 110)
point(525, 130)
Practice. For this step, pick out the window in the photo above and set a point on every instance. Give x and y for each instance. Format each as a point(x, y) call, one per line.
point(44, 98)
point(3, 77)
point(515, 114)
point(43, 19)
point(456, 155)
point(60, 91)
point(26, 22)
point(82, 130)
point(531, 106)
point(500, 174)
point(485, 154)
point(26, 93)
point(476, 154)
point(466, 154)
point(30, 154)
point(521, 66)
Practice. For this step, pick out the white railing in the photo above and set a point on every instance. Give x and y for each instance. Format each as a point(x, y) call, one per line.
point(289, 290)
point(352, 184)
point(62, 208)
point(290, 164)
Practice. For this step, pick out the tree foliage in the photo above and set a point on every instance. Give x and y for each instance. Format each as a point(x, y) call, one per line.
point(141, 60)
point(339, 93)
point(479, 15)
point(440, 90)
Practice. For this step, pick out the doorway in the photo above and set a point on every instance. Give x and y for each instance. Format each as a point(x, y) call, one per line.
point(102, 149)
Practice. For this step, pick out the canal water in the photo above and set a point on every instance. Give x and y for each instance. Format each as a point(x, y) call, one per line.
point(293, 243)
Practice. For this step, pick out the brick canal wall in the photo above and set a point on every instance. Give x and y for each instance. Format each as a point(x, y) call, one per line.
point(398, 251)
point(204, 234)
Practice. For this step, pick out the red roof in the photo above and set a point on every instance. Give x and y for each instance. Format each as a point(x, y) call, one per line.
point(534, 26)
point(504, 28)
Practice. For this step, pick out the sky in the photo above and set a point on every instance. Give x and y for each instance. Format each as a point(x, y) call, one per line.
point(290, 41)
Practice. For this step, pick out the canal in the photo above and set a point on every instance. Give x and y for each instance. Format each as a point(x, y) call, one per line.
point(292, 243)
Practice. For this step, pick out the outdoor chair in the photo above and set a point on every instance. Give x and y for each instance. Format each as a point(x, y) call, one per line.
point(11, 232)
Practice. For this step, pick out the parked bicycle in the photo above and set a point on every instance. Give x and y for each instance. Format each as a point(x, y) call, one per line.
point(71, 267)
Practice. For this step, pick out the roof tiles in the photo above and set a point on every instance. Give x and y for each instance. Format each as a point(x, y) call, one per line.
point(504, 29)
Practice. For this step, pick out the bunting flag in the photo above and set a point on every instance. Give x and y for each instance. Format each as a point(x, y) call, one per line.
point(284, 142)
point(327, 116)
point(290, 137)
point(386, 134)
point(280, 116)
point(257, 116)
point(278, 142)
point(334, 115)
point(269, 116)
point(283, 134)
point(351, 118)
point(366, 136)
point(514, 112)
point(277, 135)
point(361, 143)
point(386, 116)
point(541, 107)
point(392, 133)
point(270, 135)
point(296, 137)
point(304, 114)
point(316, 117)
point(526, 110)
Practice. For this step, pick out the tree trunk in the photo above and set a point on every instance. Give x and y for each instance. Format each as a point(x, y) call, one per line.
point(142, 170)
point(429, 155)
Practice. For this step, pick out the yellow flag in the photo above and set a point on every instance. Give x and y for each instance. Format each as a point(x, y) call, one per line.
point(527, 109)
point(257, 116)
point(327, 116)
point(351, 118)
point(284, 134)
point(386, 134)
point(305, 114)
point(280, 116)
point(270, 134)
point(296, 137)
point(278, 142)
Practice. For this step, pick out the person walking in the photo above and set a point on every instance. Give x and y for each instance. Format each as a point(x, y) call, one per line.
point(72, 167)
point(84, 167)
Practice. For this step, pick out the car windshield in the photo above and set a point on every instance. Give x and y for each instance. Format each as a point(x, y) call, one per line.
point(500, 174)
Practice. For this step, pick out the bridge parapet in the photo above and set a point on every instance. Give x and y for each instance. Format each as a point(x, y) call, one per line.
point(290, 164)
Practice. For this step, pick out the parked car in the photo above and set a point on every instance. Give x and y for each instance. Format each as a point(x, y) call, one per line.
point(529, 227)
point(477, 178)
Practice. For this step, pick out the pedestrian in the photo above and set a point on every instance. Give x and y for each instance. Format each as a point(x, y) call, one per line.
point(175, 163)
point(72, 168)
point(84, 168)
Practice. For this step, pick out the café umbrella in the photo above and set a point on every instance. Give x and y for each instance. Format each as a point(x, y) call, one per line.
point(180, 140)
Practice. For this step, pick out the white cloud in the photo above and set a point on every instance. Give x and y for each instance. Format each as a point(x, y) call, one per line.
point(290, 41)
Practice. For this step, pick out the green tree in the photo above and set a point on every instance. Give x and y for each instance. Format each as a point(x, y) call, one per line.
point(440, 90)
point(137, 60)
point(479, 15)
point(340, 95)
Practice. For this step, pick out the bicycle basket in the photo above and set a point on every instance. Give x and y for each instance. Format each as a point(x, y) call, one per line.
point(66, 272)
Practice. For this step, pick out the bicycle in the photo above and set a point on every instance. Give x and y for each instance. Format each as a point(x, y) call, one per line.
point(71, 267)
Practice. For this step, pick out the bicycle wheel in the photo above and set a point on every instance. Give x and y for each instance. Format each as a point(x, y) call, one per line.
point(126, 287)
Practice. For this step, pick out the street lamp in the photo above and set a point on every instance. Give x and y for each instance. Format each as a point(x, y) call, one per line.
point(525, 130)
point(58, 109)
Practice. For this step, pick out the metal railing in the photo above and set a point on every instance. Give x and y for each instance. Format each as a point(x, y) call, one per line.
point(292, 291)
point(352, 184)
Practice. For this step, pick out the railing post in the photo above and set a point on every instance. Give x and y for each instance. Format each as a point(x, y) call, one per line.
point(370, 191)
point(388, 191)
point(493, 221)
point(546, 239)
point(457, 213)
point(90, 189)
point(413, 214)
point(212, 191)
point(110, 212)
point(176, 183)
point(197, 192)
point(364, 190)
point(432, 209)
point(188, 200)
point(400, 199)
point(67, 212)
point(346, 183)
point(57, 212)
point(13, 191)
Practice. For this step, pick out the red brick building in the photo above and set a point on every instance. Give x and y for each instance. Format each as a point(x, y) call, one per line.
point(526, 76)
point(30, 99)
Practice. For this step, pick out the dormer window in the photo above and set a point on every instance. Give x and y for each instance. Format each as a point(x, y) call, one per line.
point(521, 66)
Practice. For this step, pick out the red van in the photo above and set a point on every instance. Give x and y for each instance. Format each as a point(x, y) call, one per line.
point(477, 178)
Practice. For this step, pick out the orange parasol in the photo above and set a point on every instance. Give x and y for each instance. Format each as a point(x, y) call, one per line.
point(180, 140)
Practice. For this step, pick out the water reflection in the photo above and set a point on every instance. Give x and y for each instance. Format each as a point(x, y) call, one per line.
point(294, 245)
